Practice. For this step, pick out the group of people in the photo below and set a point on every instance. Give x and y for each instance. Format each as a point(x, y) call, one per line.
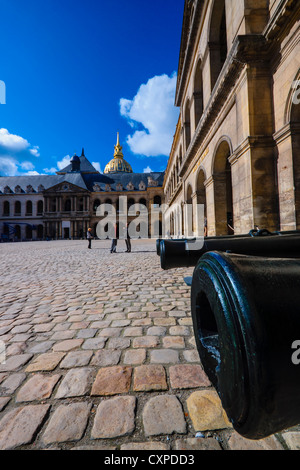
point(113, 248)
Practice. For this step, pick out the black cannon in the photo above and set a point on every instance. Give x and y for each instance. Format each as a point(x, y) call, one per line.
point(183, 253)
point(246, 318)
point(252, 233)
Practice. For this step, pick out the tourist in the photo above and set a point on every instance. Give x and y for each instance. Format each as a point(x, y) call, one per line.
point(113, 248)
point(89, 237)
point(127, 240)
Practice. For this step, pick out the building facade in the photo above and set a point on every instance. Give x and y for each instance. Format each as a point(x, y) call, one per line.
point(64, 205)
point(236, 145)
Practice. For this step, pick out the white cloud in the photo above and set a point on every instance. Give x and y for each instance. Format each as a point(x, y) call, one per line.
point(11, 142)
point(148, 170)
point(50, 170)
point(15, 154)
point(32, 173)
point(35, 151)
point(64, 162)
point(27, 166)
point(8, 166)
point(152, 108)
point(96, 165)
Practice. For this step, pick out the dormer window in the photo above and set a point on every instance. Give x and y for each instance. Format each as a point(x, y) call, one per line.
point(96, 188)
point(29, 189)
point(152, 182)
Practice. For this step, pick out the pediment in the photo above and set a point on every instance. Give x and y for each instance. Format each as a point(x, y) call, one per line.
point(65, 187)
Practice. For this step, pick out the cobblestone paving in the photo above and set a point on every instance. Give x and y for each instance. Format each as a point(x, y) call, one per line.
point(100, 354)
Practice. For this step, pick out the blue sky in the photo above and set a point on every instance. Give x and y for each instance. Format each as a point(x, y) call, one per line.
point(76, 72)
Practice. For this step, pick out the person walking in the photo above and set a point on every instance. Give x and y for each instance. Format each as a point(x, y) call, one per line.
point(89, 237)
point(113, 248)
point(127, 240)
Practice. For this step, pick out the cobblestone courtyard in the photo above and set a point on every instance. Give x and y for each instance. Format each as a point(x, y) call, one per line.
point(100, 354)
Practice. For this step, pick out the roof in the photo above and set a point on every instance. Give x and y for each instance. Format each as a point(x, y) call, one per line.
point(86, 181)
point(39, 182)
point(85, 167)
point(102, 180)
point(85, 177)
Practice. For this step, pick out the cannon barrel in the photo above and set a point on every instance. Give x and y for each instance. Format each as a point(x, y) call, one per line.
point(183, 254)
point(252, 233)
point(175, 240)
point(245, 312)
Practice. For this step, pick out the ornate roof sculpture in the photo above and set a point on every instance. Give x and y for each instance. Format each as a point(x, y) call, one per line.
point(118, 164)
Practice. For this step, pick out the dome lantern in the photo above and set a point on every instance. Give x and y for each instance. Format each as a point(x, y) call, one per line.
point(118, 164)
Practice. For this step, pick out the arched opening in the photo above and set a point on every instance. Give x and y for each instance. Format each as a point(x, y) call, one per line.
point(40, 231)
point(96, 205)
point(68, 205)
point(6, 208)
point(18, 232)
point(130, 203)
point(189, 219)
point(40, 207)
point(28, 208)
point(6, 230)
point(157, 201)
point(172, 225)
point(224, 216)
point(28, 232)
point(187, 125)
point(201, 194)
point(180, 157)
point(80, 204)
point(198, 94)
point(53, 205)
point(295, 132)
point(218, 48)
point(17, 208)
point(143, 202)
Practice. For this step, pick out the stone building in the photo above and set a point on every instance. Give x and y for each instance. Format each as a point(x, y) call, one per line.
point(236, 148)
point(65, 205)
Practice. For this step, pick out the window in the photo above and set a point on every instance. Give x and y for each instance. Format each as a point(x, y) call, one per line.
point(96, 205)
point(68, 205)
point(217, 40)
point(187, 125)
point(6, 208)
point(28, 208)
point(157, 201)
point(40, 208)
point(17, 208)
point(198, 94)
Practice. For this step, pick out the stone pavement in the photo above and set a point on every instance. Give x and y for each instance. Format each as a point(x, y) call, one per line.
point(100, 354)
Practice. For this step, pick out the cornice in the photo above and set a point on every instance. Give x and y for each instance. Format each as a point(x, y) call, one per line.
point(190, 30)
point(286, 12)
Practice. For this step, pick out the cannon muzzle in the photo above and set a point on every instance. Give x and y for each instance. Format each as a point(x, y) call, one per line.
point(182, 253)
point(245, 312)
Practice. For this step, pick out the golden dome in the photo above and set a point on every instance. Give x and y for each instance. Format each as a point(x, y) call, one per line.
point(118, 164)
